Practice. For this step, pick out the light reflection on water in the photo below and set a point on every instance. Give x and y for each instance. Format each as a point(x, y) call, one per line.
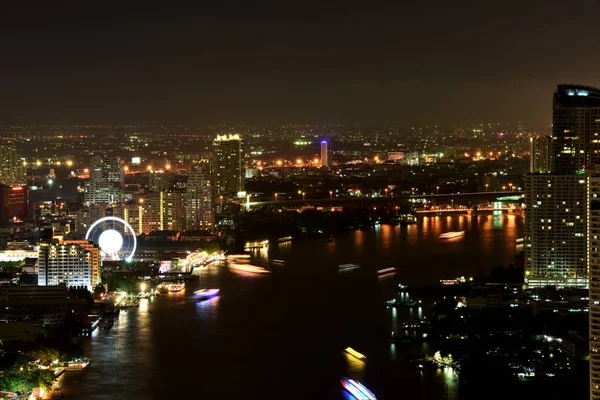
point(266, 330)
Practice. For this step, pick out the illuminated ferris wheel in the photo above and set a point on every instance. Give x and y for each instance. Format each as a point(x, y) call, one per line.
point(115, 237)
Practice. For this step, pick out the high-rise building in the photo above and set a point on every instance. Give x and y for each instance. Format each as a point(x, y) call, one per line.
point(594, 295)
point(95, 258)
point(12, 170)
point(229, 164)
point(575, 128)
point(200, 198)
point(62, 263)
point(325, 155)
point(173, 215)
point(106, 180)
point(540, 159)
point(14, 202)
point(112, 170)
point(556, 214)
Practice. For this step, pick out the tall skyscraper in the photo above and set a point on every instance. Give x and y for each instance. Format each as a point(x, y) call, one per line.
point(12, 170)
point(594, 271)
point(200, 198)
point(556, 230)
point(229, 164)
point(540, 159)
point(575, 128)
point(106, 180)
point(557, 204)
point(325, 157)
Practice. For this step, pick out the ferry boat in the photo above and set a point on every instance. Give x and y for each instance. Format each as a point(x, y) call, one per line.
point(385, 271)
point(176, 287)
point(248, 268)
point(355, 353)
point(357, 390)
point(345, 267)
point(205, 294)
point(450, 235)
point(407, 219)
point(237, 256)
point(284, 239)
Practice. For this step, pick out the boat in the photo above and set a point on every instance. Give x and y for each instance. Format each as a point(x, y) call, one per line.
point(450, 235)
point(248, 268)
point(176, 287)
point(357, 390)
point(345, 267)
point(355, 353)
point(205, 294)
point(238, 256)
point(284, 239)
point(385, 271)
point(275, 261)
point(408, 219)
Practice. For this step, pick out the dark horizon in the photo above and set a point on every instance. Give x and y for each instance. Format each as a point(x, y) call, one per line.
point(270, 63)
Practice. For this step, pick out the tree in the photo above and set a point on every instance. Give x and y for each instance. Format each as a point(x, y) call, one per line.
point(45, 356)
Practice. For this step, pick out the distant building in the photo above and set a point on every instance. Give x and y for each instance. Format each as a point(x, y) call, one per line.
point(228, 164)
point(12, 170)
point(540, 158)
point(575, 128)
point(106, 180)
point(325, 154)
point(556, 230)
point(14, 202)
point(86, 216)
point(159, 181)
point(200, 198)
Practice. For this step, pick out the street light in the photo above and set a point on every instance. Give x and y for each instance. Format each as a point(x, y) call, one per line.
point(275, 196)
point(511, 186)
point(221, 199)
point(486, 186)
point(437, 188)
point(386, 192)
point(330, 194)
point(303, 195)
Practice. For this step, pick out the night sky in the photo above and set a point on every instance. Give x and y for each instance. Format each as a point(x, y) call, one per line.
point(369, 62)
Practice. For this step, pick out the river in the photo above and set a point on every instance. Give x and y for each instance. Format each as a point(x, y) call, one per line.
point(281, 335)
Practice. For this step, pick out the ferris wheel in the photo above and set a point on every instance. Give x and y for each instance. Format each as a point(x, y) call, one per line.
point(115, 237)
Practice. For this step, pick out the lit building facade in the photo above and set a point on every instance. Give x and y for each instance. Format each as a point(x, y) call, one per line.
point(95, 259)
point(540, 159)
point(594, 272)
point(200, 198)
point(62, 263)
point(229, 165)
point(556, 211)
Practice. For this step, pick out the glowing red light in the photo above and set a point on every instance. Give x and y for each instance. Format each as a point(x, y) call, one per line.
point(17, 188)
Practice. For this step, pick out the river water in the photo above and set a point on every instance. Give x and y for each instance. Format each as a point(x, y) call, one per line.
point(281, 335)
